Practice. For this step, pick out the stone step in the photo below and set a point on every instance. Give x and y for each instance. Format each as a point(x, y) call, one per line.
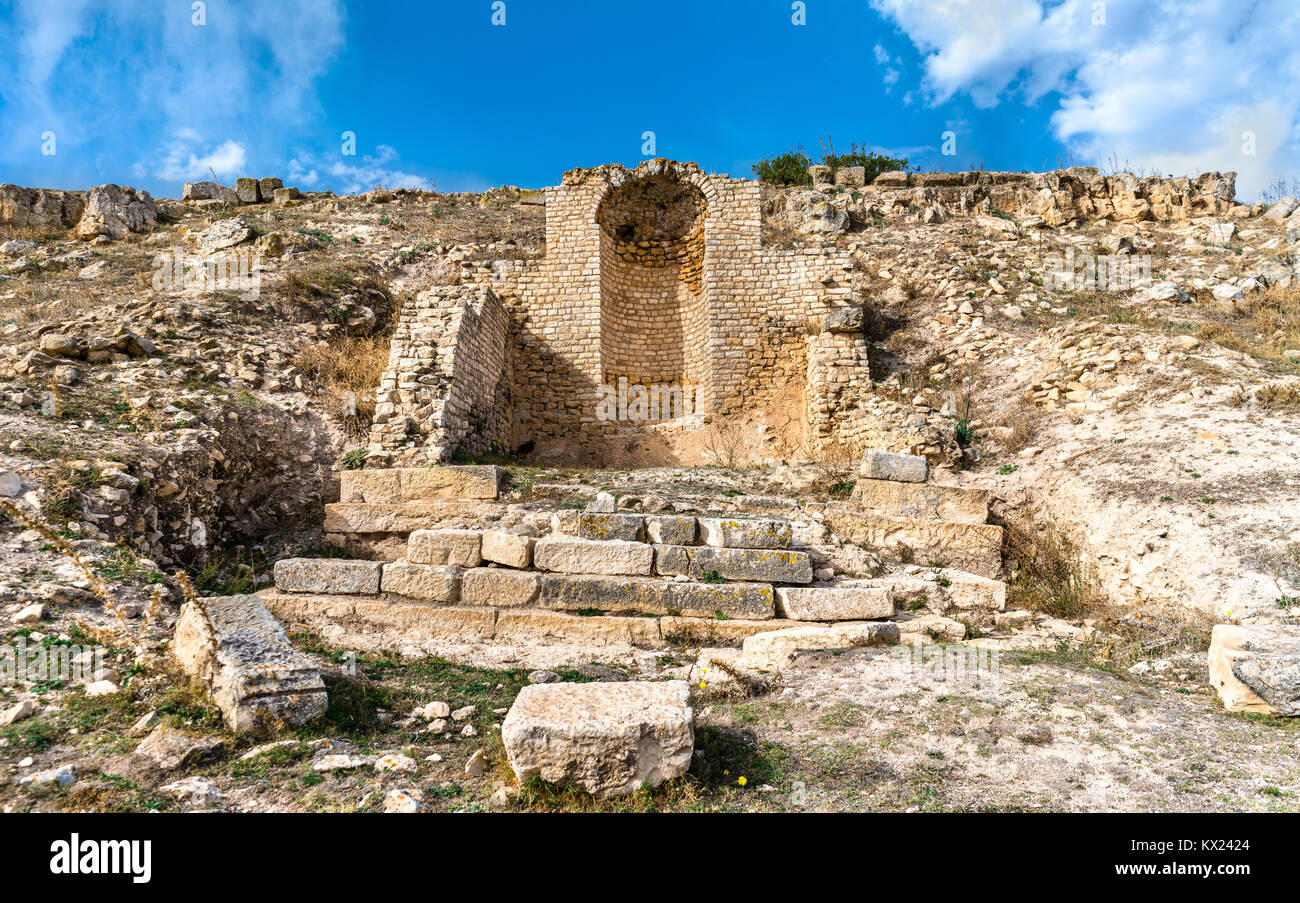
point(420, 484)
point(458, 548)
point(596, 525)
point(389, 622)
point(343, 518)
point(571, 555)
point(659, 597)
point(756, 565)
point(862, 602)
point(921, 501)
point(746, 533)
point(327, 575)
point(976, 548)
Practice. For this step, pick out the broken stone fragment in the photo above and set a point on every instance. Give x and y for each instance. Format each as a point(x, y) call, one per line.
point(880, 465)
point(241, 653)
point(775, 650)
point(607, 739)
point(509, 549)
point(1256, 668)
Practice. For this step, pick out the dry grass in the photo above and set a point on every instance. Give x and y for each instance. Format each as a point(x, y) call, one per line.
point(1266, 327)
point(36, 302)
point(1018, 427)
point(837, 467)
point(347, 370)
point(1050, 575)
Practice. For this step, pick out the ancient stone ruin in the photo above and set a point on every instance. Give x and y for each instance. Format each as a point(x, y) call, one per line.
point(656, 304)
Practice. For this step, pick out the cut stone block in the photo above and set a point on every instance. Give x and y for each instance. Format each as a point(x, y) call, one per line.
point(414, 484)
point(775, 650)
point(361, 623)
point(571, 555)
point(648, 595)
point(430, 582)
point(881, 465)
point(597, 525)
point(327, 575)
point(835, 603)
point(342, 518)
point(756, 565)
point(687, 631)
point(669, 529)
point(509, 549)
point(1256, 668)
point(242, 654)
point(500, 588)
point(751, 533)
point(268, 186)
point(913, 500)
point(976, 548)
point(458, 548)
point(526, 627)
point(248, 191)
point(973, 592)
point(608, 739)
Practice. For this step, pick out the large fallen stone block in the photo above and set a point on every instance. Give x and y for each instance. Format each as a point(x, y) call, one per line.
point(430, 582)
point(571, 555)
point(916, 500)
point(414, 484)
point(499, 588)
point(973, 592)
point(835, 603)
point(607, 739)
point(458, 548)
point(976, 548)
point(598, 525)
point(243, 656)
point(750, 533)
point(1256, 668)
point(509, 549)
point(650, 596)
point(774, 651)
point(327, 575)
point(756, 565)
point(670, 529)
point(881, 465)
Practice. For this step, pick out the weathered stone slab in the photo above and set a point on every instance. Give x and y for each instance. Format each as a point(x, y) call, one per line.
point(500, 588)
point(914, 500)
point(973, 592)
point(396, 517)
point(509, 549)
point(749, 533)
point(598, 525)
point(414, 484)
point(608, 739)
point(248, 190)
point(353, 620)
point(651, 596)
point(430, 582)
point(327, 575)
point(835, 603)
point(670, 529)
point(754, 565)
point(526, 627)
point(1256, 668)
point(458, 548)
point(571, 555)
point(881, 465)
point(775, 650)
point(976, 548)
point(715, 632)
point(242, 654)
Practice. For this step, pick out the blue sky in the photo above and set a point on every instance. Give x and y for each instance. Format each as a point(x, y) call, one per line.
point(135, 92)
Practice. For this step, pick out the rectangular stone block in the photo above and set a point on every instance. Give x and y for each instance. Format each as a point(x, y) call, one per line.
point(775, 650)
point(754, 565)
point(973, 592)
point(835, 603)
point(916, 500)
point(976, 548)
point(571, 555)
point(509, 549)
point(414, 484)
point(658, 597)
point(242, 654)
point(430, 582)
point(395, 517)
point(500, 588)
point(327, 575)
point(459, 548)
point(881, 465)
point(670, 529)
point(248, 191)
point(597, 525)
point(528, 627)
point(749, 533)
point(267, 187)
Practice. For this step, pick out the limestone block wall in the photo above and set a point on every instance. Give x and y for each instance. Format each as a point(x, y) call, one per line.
point(447, 386)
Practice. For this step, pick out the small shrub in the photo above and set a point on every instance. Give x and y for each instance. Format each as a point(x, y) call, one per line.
point(790, 168)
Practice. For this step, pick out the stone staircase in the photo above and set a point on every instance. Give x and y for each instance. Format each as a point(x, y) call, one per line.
point(570, 580)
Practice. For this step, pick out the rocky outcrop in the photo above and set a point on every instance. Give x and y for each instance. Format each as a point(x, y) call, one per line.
point(241, 653)
point(113, 212)
point(1256, 668)
point(607, 739)
point(39, 209)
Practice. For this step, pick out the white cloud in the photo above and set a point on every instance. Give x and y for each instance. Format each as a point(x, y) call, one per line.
point(352, 175)
point(882, 55)
point(185, 158)
point(1162, 83)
